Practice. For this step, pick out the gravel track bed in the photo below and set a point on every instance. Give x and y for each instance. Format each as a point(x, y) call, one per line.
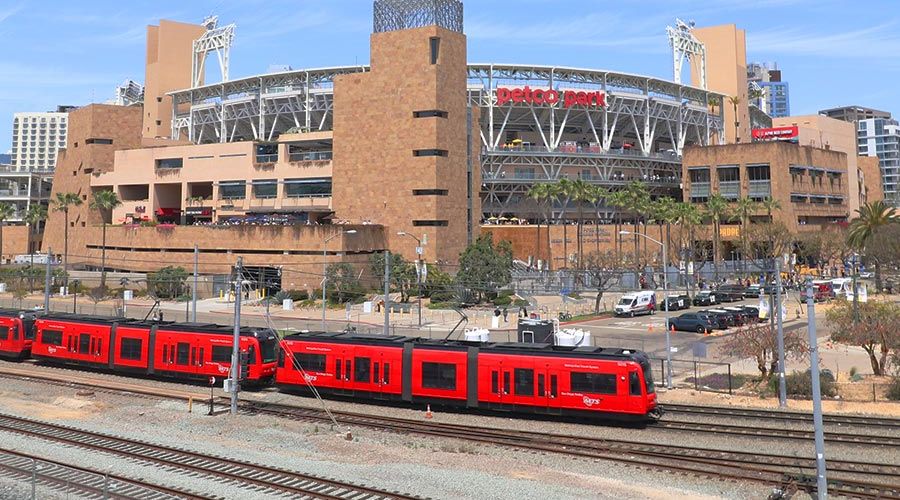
point(431, 467)
point(781, 424)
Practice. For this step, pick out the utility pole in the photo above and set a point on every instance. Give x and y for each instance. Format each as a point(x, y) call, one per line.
point(387, 292)
point(782, 386)
point(47, 281)
point(855, 263)
point(194, 292)
point(821, 482)
point(236, 347)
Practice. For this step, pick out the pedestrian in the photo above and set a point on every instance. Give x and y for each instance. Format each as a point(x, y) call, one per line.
point(505, 315)
point(497, 311)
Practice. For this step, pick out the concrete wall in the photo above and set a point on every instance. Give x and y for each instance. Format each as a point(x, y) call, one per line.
point(726, 72)
point(15, 241)
point(871, 170)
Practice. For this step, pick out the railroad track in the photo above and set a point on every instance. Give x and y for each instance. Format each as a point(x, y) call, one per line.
point(88, 483)
point(721, 411)
point(257, 477)
point(774, 433)
point(849, 478)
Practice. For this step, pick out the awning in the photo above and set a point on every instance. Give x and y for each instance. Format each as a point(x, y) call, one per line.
point(168, 212)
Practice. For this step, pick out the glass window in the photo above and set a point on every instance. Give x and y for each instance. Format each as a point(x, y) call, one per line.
point(269, 350)
point(524, 382)
point(648, 377)
point(362, 370)
point(729, 174)
point(377, 373)
point(265, 189)
point(4, 332)
point(337, 369)
point(495, 383)
point(439, 376)
point(598, 383)
point(183, 353)
point(130, 348)
point(634, 384)
point(347, 370)
point(553, 386)
point(84, 343)
point(758, 172)
point(170, 163)
point(541, 390)
point(221, 354)
point(299, 188)
point(232, 190)
point(387, 373)
point(311, 362)
point(699, 174)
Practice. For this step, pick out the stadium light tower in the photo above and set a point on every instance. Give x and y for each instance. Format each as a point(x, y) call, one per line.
point(216, 39)
point(686, 46)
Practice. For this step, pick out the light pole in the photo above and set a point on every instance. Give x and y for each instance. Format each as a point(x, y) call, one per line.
point(419, 262)
point(324, 268)
point(665, 301)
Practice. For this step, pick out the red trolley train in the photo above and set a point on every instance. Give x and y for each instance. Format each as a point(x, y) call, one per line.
point(516, 377)
point(16, 333)
point(178, 350)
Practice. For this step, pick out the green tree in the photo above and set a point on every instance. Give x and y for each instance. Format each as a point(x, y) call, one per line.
point(601, 270)
point(580, 192)
point(403, 273)
point(485, 267)
point(758, 341)
point(770, 205)
point(876, 331)
point(33, 216)
point(870, 217)
point(343, 281)
point(63, 202)
point(741, 211)
point(665, 212)
point(735, 101)
point(617, 200)
point(541, 194)
point(637, 201)
point(167, 283)
point(688, 216)
point(104, 202)
point(7, 210)
point(716, 210)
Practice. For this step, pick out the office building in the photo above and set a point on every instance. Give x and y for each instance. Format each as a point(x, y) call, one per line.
point(767, 90)
point(36, 138)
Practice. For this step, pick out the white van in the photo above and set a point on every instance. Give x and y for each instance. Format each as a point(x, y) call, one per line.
point(635, 303)
point(843, 287)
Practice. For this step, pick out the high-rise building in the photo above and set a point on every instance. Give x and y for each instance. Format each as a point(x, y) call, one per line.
point(773, 97)
point(881, 137)
point(36, 138)
point(854, 113)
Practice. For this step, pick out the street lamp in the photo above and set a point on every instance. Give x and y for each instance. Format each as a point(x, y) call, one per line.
point(324, 269)
point(665, 301)
point(418, 271)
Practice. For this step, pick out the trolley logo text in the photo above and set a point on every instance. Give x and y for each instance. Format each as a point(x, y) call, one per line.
point(551, 97)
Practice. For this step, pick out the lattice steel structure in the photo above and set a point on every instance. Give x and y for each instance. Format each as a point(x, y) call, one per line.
point(216, 39)
point(638, 135)
point(394, 15)
point(686, 46)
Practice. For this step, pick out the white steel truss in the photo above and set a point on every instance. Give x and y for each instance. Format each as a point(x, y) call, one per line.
point(686, 46)
point(216, 39)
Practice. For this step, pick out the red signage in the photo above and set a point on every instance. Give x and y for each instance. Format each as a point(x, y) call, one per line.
point(774, 134)
point(550, 97)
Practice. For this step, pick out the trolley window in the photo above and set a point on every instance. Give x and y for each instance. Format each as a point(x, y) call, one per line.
point(311, 362)
point(598, 383)
point(541, 382)
point(495, 383)
point(648, 377)
point(269, 350)
point(337, 369)
point(251, 355)
point(524, 382)
point(130, 348)
point(439, 376)
point(362, 370)
point(183, 353)
point(84, 343)
point(221, 354)
point(634, 384)
point(4, 332)
point(387, 374)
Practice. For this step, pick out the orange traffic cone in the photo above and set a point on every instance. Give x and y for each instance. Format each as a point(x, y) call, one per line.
point(650, 329)
point(673, 329)
point(428, 413)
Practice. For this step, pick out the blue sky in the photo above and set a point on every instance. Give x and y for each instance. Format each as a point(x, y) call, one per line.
point(832, 52)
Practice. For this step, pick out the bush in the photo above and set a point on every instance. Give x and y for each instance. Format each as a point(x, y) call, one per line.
point(443, 296)
point(521, 303)
point(800, 384)
point(502, 301)
point(168, 282)
point(295, 295)
point(893, 392)
point(719, 381)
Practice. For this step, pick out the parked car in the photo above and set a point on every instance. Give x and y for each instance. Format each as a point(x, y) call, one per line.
point(676, 302)
point(723, 319)
point(753, 291)
point(631, 304)
point(820, 294)
point(740, 315)
point(705, 298)
point(753, 313)
point(866, 275)
point(693, 322)
point(730, 293)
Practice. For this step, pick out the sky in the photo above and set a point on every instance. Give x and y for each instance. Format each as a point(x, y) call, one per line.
point(832, 52)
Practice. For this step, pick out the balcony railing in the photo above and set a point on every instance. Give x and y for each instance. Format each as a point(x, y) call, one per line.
point(587, 150)
point(270, 158)
point(311, 156)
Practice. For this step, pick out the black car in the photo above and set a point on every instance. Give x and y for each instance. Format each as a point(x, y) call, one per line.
point(705, 298)
point(693, 322)
point(753, 291)
point(722, 319)
point(730, 293)
point(753, 313)
point(676, 302)
point(740, 314)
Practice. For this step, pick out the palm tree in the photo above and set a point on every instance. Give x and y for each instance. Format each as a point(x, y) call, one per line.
point(735, 101)
point(63, 201)
point(664, 212)
point(539, 193)
point(637, 198)
point(716, 209)
point(616, 199)
point(33, 216)
point(580, 192)
point(771, 205)
point(6, 211)
point(742, 211)
point(104, 201)
point(869, 218)
point(688, 216)
point(562, 191)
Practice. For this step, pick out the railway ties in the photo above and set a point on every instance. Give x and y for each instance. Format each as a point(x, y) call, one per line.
point(246, 475)
point(764, 414)
point(776, 433)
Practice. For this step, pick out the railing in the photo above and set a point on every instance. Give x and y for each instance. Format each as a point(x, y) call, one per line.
point(311, 156)
point(623, 179)
point(591, 150)
point(270, 158)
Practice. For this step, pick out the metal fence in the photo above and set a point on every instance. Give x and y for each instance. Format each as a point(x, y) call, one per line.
point(707, 376)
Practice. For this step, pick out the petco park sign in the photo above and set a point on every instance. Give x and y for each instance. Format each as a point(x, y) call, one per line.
point(550, 97)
